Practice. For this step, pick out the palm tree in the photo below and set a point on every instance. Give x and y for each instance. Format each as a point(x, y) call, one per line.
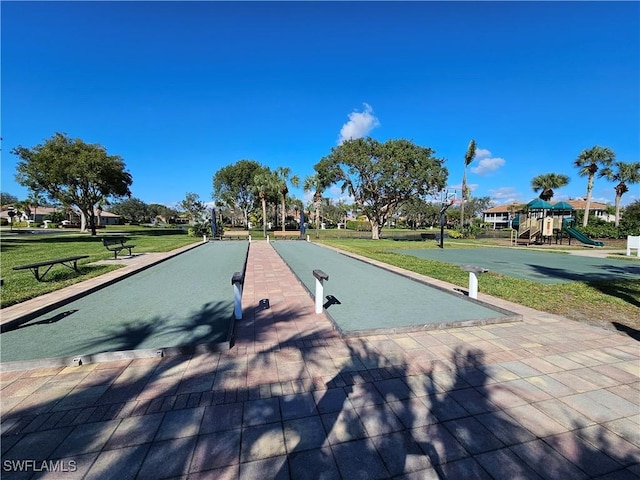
point(624, 173)
point(547, 182)
point(588, 163)
point(265, 185)
point(468, 158)
point(314, 184)
point(35, 200)
point(283, 177)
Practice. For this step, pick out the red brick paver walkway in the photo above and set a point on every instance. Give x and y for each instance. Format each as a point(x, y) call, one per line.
point(545, 398)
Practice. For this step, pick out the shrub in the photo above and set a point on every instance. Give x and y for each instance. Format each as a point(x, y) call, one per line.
point(200, 226)
point(358, 226)
point(630, 220)
point(600, 231)
point(454, 234)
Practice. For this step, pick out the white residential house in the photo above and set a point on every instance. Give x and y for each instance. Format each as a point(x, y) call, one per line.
point(500, 216)
point(38, 214)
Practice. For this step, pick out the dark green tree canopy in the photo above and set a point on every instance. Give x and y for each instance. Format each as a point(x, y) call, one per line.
point(73, 172)
point(7, 198)
point(380, 176)
point(158, 210)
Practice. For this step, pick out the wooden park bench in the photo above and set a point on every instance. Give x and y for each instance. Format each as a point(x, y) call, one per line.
point(238, 234)
point(71, 262)
point(116, 245)
point(294, 235)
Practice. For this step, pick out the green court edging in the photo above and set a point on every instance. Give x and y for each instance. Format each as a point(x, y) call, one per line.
point(375, 299)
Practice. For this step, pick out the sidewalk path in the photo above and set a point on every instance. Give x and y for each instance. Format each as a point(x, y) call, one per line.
point(544, 398)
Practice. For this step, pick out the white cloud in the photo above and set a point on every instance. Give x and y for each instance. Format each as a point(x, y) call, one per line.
point(482, 153)
point(504, 195)
point(458, 187)
point(486, 163)
point(359, 124)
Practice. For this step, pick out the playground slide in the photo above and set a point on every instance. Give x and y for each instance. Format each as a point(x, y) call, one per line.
point(581, 237)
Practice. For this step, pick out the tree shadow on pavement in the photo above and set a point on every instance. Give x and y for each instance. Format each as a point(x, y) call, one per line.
point(309, 407)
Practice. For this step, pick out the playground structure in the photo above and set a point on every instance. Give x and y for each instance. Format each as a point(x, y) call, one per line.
point(544, 221)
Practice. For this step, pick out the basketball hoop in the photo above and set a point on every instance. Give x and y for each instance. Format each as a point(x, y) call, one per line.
point(448, 197)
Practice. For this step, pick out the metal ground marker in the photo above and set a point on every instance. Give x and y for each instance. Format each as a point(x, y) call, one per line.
point(320, 277)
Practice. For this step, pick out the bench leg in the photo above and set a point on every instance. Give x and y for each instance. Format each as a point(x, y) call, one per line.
point(36, 272)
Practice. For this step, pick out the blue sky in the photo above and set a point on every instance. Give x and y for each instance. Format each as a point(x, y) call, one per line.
point(181, 89)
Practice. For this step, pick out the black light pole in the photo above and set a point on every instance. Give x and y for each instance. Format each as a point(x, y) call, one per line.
point(443, 209)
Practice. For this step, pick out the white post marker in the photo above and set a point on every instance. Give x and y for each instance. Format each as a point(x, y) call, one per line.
point(237, 280)
point(320, 277)
point(473, 278)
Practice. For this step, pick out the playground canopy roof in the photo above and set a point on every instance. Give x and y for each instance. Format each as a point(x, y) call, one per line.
point(539, 204)
point(563, 206)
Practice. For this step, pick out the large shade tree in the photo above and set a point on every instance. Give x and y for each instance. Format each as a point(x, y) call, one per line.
point(419, 213)
point(73, 172)
point(380, 176)
point(624, 174)
point(588, 163)
point(132, 209)
point(546, 182)
point(232, 185)
point(192, 205)
point(163, 212)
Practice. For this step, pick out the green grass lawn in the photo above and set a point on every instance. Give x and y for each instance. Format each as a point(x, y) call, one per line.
point(21, 249)
point(594, 302)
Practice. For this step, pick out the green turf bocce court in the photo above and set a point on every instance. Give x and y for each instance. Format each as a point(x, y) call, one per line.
point(187, 303)
point(186, 300)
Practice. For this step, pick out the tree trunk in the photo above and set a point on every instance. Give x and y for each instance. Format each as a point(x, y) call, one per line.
point(462, 199)
point(618, 198)
point(587, 205)
point(92, 224)
point(83, 221)
point(375, 230)
point(284, 216)
point(264, 217)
